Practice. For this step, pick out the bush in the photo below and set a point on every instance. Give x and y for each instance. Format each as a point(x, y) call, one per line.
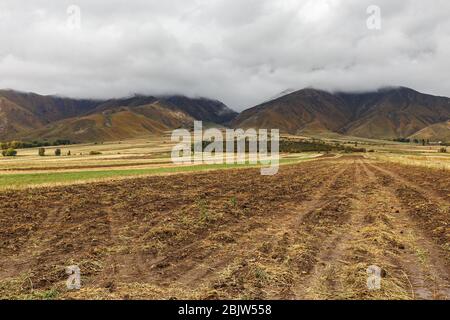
point(94, 153)
point(57, 152)
point(9, 152)
point(41, 152)
point(290, 146)
point(33, 144)
point(405, 140)
point(443, 150)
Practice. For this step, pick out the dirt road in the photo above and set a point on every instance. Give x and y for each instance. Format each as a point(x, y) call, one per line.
point(309, 232)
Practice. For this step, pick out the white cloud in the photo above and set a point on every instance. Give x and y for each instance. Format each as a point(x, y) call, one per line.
point(238, 51)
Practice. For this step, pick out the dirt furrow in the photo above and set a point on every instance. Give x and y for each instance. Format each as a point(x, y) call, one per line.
point(248, 236)
point(311, 231)
point(424, 261)
point(410, 182)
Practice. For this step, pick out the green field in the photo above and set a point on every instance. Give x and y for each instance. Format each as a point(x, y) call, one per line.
point(151, 156)
point(18, 180)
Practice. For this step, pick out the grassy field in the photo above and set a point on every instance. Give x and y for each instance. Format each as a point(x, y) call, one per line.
point(403, 153)
point(17, 180)
point(121, 159)
point(116, 160)
point(436, 161)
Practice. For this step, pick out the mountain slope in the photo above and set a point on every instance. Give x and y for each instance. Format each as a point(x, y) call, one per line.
point(384, 114)
point(49, 108)
point(201, 108)
point(198, 108)
point(434, 132)
point(15, 119)
point(116, 123)
point(105, 126)
point(395, 113)
point(307, 110)
point(21, 112)
point(28, 116)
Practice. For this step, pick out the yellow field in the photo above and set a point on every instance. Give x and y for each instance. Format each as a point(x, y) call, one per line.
point(117, 160)
point(150, 156)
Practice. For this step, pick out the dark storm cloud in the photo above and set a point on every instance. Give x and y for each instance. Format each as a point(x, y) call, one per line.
point(240, 52)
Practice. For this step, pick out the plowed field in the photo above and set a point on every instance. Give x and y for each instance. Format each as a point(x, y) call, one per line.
point(309, 232)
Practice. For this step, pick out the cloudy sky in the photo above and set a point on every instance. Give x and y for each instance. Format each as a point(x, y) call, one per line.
point(238, 51)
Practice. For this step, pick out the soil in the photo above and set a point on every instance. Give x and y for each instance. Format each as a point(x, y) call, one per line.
point(309, 232)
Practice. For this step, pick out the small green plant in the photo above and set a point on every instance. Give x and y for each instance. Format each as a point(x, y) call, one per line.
point(46, 295)
point(57, 152)
point(261, 274)
point(41, 152)
point(94, 153)
point(10, 152)
point(204, 214)
point(233, 201)
point(68, 153)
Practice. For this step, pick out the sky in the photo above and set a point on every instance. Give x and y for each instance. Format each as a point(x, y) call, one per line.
point(241, 52)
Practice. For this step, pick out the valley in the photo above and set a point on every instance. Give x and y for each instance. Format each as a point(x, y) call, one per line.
point(360, 187)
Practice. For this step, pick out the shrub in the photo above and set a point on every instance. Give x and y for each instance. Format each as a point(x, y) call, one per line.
point(15, 144)
point(10, 152)
point(406, 140)
point(41, 152)
point(443, 150)
point(57, 152)
point(350, 149)
point(33, 144)
point(93, 153)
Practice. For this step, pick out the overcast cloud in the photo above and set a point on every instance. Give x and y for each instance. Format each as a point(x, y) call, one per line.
point(238, 51)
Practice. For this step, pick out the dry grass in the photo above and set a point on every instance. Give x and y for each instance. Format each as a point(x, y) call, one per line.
point(435, 161)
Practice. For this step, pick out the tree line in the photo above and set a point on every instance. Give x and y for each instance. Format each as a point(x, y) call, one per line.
point(33, 144)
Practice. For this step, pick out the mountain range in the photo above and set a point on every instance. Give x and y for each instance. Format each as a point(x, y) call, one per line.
point(388, 113)
point(29, 116)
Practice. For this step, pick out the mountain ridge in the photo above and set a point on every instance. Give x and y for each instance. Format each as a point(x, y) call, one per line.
point(387, 113)
point(29, 116)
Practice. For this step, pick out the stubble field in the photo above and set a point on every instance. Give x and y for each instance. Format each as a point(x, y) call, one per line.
point(309, 232)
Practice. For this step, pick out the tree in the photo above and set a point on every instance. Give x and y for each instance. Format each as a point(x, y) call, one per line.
point(57, 152)
point(15, 144)
point(9, 152)
point(41, 152)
